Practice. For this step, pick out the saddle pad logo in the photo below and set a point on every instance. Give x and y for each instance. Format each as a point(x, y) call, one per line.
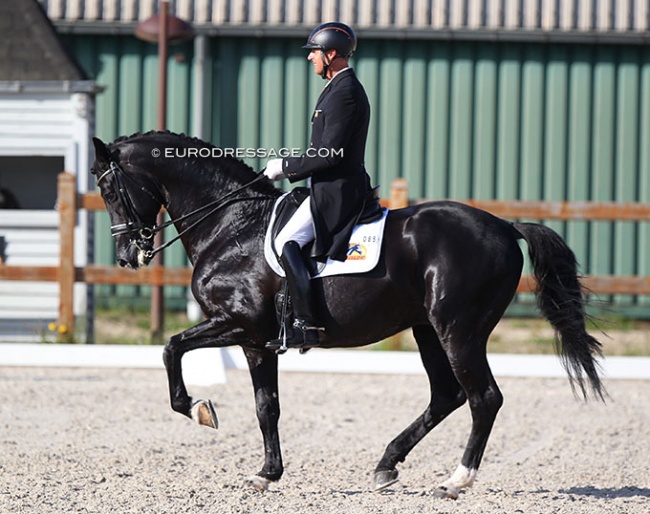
point(356, 252)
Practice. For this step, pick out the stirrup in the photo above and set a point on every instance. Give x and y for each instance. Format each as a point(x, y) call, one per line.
point(301, 336)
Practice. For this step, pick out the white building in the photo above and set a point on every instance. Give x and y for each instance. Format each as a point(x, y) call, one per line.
point(46, 122)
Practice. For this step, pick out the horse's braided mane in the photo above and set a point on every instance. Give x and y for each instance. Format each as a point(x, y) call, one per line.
point(184, 137)
point(190, 140)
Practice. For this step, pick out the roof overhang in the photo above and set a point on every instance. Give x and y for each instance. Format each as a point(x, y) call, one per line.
point(50, 86)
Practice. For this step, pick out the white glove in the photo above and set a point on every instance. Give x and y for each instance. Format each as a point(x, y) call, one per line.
point(274, 170)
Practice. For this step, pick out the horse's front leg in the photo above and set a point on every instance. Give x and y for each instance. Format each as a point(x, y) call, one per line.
point(207, 334)
point(263, 365)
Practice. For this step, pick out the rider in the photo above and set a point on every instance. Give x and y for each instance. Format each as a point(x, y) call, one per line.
point(334, 164)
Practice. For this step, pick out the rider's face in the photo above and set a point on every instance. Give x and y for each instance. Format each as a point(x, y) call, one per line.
point(316, 58)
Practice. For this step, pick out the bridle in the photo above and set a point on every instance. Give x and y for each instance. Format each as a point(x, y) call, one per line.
point(140, 233)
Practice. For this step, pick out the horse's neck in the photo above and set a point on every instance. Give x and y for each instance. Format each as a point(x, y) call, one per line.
point(234, 222)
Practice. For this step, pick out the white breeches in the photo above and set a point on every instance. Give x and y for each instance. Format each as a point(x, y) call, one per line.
point(299, 228)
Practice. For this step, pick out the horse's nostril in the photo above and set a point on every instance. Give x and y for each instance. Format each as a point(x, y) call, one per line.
point(123, 263)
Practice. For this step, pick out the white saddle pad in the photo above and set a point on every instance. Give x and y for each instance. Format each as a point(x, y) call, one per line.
point(364, 249)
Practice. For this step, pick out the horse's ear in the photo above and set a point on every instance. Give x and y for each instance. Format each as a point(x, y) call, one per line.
point(101, 151)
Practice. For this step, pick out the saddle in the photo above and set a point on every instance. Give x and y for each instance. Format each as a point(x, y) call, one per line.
point(371, 211)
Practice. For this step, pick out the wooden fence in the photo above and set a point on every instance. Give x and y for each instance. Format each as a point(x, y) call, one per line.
point(69, 201)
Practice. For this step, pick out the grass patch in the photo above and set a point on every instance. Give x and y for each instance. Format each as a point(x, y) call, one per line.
point(132, 326)
point(512, 335)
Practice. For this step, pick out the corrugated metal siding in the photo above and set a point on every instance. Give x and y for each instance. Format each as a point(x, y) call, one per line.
point(128, 69)
point(511, 15)
point(457, 119)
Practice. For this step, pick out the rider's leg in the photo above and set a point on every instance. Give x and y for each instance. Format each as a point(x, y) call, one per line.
point(297, 233)
point(299, 228)
point(300, 290)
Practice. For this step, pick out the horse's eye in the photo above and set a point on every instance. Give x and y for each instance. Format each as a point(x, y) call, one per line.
point(109, 196)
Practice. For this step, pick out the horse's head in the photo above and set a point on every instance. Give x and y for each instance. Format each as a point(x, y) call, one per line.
point(133, 199)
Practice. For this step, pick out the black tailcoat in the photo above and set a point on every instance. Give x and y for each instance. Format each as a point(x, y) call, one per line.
point(335, 163)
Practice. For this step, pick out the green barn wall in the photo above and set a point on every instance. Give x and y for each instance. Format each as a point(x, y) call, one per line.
point(457, 119)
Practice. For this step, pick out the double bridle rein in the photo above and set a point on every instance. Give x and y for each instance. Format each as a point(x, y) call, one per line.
point(139, 232)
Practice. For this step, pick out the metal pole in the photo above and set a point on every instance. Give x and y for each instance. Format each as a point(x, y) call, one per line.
point(157, 292)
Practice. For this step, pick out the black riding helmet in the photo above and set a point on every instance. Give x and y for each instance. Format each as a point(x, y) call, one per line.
point(332, 36)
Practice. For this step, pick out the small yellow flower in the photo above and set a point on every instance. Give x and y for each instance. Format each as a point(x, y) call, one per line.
point(52, 327)
point(63, 329)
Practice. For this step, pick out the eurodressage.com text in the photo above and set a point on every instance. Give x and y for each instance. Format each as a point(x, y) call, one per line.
point(241, 153)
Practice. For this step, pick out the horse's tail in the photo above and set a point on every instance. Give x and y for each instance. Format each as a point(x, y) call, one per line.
point(561, 300)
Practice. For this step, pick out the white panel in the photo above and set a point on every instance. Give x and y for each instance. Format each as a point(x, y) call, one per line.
point(530, 15)
point(585, 16)
point(73, 10)
point(92, 11)
point(474, 14)
point(603, 17)
point(292, 11)
point(566, 15)
point(110, 11)
point(129, 10)
point(31, 239)
point(55, 9)
point(642, 16)
point(147, 9)
point(201, 11)
point(511, 14)
point(310, 13)
point(402, 13)
point(220, 13)
point(438, 13)
point(456, 12)
point(365, 13)
point(183, 9)
point(255, 14)
point(622, 13)
point(548, 14)
point(493, 14)
point(29, 288)
point(328, 10)
point(420, 13)
point(28, 218)
point(274, 11)
point(34, 303)
point(238, 13)
point(347, 11)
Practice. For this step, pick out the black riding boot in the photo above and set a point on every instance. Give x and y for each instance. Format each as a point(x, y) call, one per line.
point(305, 328)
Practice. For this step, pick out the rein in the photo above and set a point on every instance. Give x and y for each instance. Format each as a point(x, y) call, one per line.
point(135, 224)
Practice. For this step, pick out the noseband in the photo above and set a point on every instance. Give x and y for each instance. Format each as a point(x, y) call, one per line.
point(139, 233)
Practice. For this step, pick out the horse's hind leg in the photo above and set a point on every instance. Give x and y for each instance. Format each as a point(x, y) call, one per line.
point(446, 396)
point(469, 363)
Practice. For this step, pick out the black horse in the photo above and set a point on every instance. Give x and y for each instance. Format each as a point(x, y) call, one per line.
point(448, 271)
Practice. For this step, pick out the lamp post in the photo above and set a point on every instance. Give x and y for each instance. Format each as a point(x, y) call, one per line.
point(163, 29)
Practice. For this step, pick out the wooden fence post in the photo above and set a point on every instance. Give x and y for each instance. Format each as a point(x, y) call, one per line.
point(67, 205)
point(399, 194)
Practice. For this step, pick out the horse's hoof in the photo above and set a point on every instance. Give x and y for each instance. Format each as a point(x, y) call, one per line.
point(204, 414)
point(446, 493)
point(258, 483)
point(385, 478)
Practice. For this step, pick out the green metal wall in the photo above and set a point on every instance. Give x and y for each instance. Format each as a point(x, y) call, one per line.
point(456, 119)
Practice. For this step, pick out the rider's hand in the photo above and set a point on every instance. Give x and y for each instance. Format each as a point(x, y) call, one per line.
point(274, 170)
